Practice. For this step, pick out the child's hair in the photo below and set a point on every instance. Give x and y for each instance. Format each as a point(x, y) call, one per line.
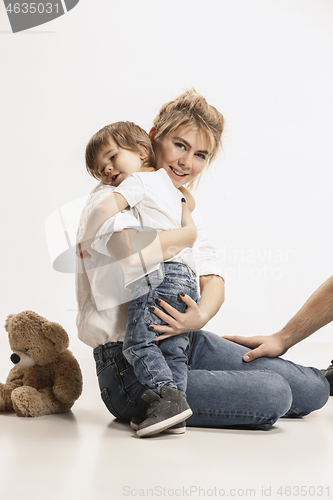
point(126, 135)
point(190, 108)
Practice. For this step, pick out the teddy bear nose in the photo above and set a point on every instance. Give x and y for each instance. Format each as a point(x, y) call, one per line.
point(15, 358)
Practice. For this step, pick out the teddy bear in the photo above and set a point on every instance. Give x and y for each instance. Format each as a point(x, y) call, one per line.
point(46, 377)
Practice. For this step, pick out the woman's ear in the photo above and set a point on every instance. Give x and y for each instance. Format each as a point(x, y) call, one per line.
point(152, 133)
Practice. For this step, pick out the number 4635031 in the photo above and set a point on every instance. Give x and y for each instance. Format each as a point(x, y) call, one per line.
point(33, 8)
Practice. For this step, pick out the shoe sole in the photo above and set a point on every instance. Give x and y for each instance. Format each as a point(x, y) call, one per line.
point(169, 430)
point(181, 430)
point(165, 424)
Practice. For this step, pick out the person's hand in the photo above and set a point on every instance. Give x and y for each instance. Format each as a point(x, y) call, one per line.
point(269, 346)
point(189, 321)
point(81, 253)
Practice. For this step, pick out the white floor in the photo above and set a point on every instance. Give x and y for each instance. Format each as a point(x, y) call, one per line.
point(86, 454)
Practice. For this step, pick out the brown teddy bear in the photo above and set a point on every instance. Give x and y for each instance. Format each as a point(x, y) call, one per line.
point(46, 377)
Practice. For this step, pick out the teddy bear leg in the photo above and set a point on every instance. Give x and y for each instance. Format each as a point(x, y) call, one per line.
point(5, 398)
point(28, 402)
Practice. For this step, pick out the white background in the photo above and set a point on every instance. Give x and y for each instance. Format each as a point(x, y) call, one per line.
point(265, 64)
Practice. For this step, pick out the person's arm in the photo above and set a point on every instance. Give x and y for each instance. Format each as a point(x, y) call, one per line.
point(105, 209)
point(314, 314)
point(189, 198)
point(125, 246)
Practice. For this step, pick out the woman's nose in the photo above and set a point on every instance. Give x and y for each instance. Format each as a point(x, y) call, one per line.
point(185, 160)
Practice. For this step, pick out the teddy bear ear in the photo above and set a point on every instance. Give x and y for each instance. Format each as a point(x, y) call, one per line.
point(57, 335)
point(9, 317)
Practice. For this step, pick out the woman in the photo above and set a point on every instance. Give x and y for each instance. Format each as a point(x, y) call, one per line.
point(222, 390)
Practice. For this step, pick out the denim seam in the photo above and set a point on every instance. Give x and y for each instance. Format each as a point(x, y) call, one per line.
point(216, 413)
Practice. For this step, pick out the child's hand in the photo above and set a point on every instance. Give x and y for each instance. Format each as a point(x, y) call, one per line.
point(186, 216)
point(81, 252)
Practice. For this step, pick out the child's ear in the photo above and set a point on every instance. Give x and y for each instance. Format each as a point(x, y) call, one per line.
point(152, 133)
point(144, 152)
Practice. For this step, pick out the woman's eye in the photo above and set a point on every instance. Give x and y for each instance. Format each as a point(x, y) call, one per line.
point(202, 156)
point(180, 145)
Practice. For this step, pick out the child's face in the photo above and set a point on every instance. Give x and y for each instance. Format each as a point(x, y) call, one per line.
point(114, 163)
point(183, 154)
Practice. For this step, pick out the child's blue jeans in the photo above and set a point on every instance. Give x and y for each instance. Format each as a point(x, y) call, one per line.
point(165, 362)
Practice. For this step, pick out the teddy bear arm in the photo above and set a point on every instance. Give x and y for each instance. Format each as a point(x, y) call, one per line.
point(67, 385)
point(15, 378)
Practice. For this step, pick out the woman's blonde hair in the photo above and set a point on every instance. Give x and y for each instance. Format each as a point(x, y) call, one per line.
point(127, 135)
point(190, 108)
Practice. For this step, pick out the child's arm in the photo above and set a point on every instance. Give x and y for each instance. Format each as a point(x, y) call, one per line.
point(106, 208)
point(124, 246)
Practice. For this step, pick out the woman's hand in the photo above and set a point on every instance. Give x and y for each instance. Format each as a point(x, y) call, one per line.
point(270, 346)
point(189, 321)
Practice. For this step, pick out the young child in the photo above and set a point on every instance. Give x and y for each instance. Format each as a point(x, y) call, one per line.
point(121, 156)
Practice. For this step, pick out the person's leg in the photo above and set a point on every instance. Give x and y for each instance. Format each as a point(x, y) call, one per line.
point(254, 400)
point(120, 389)
point(174, 350)
point(159, 363)
point(178, 279)
point(262, 387)
point(142, 351)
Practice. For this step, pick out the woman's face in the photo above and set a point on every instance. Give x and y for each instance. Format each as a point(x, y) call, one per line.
point(183, 154)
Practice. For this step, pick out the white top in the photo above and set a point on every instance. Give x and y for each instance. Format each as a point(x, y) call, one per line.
point(100, 286)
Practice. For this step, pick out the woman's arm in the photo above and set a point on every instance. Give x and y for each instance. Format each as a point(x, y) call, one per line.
point(106, 208)
point(314, 314)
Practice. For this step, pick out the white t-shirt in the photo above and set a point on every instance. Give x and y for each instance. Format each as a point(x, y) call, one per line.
point(100, 289)
point(156, 203)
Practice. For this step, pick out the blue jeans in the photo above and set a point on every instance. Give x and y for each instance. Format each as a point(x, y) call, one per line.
point(159, 363)
point(222, 390)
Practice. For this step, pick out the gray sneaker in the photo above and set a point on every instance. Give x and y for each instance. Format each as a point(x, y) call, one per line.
point(136, 421)
point(164, 411)
point(175, 429)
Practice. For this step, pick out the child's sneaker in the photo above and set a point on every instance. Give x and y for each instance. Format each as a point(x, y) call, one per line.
point(164, 411)
point(136, 421)
point(175, 429)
